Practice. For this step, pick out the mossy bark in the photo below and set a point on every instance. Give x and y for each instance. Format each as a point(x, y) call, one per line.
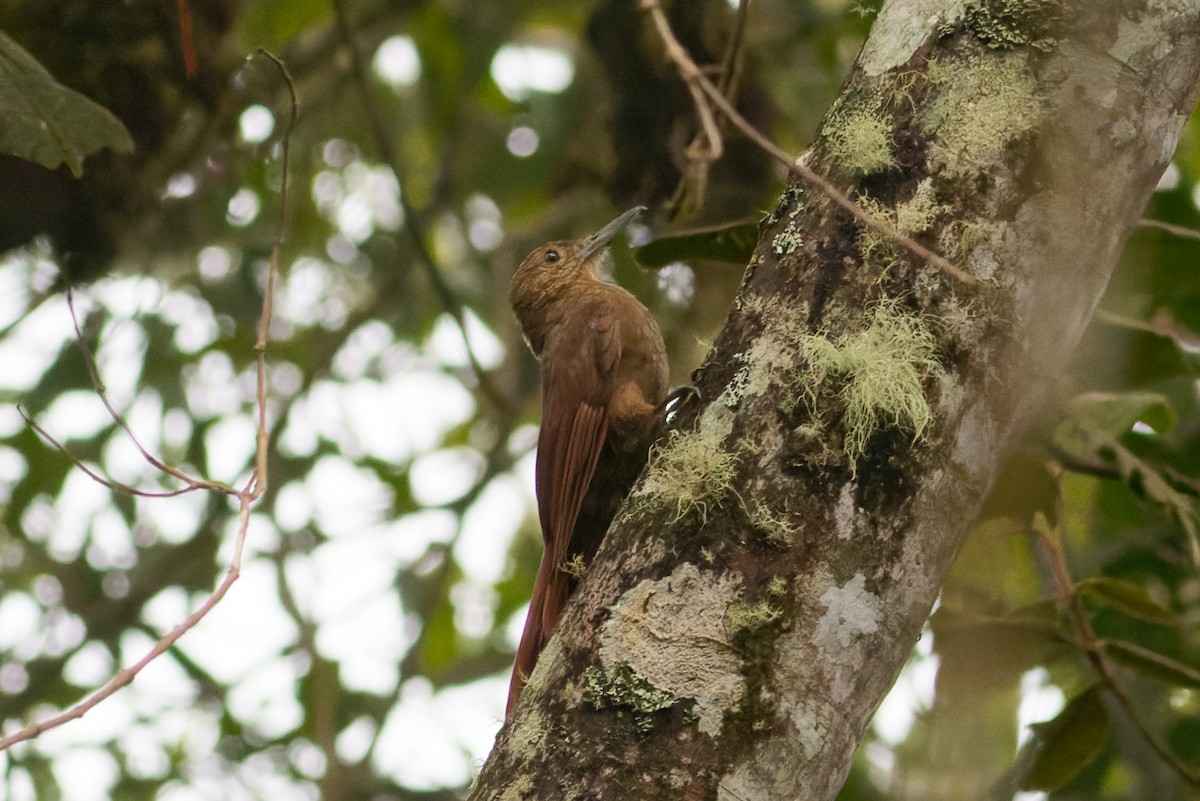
point(756, 629)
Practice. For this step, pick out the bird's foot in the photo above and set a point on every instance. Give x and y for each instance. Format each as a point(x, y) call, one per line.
point(676, 402)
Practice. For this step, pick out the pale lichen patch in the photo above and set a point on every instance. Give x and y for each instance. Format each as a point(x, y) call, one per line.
point(912, 216)
point(1009, 24)
point(671, 633)
point(980, 111)
point(810, 731)
point(773, 523)
point(618, 686)
point(731, 396)
point(520, 789)
point(786, 242)
point(851, 615)
point(743, 618)
point(918, 212)
point(550, 654)
point(772, 350)
point(851, 611)
point(530, 731)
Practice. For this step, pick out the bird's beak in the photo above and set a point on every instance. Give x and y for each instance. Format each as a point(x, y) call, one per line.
point(599, 240)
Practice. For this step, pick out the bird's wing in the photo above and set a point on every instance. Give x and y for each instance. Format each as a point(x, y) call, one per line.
point(576, 388)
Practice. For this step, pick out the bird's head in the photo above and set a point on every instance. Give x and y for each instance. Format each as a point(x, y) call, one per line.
point(545, 280)
point(560, 263)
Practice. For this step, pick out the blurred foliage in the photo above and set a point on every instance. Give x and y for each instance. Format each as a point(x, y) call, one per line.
point(46, 122)
point(364, 652)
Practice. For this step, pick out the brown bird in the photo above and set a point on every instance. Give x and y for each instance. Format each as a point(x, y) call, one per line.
point(604, 375)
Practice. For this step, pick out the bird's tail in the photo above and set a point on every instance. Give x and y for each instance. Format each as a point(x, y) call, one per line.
point(549, 594)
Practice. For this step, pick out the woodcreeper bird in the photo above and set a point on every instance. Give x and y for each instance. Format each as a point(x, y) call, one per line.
point(604, 377)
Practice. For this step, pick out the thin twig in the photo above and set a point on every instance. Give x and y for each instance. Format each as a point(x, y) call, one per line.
point(704, 149)
point(126, 676)
point(1079, 464)
point(694, 76)
point(246, 497)
point(259, 481)
point(387, 151)
point(98, 385)
point(1092, 647)
point(727, 81)
point(1171, 228)
point(117, 486)
point(191, 482)
point(1162, 324)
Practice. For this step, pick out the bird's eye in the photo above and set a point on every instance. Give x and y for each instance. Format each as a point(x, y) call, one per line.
point(550, 256)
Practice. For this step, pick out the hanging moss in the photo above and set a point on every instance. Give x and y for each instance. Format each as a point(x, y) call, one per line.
point(861, 138)
point(693, 470)
point(743, 618)
point(875, 376)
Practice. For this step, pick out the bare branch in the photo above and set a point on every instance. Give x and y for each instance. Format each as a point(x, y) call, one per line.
point(703, 150)
point(695, 77)
point(251, 491)
point(258, 483)
point(126, 676)
point(1079, 464)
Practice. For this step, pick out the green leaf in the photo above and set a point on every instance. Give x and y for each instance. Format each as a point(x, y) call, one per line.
point(1068, 743)
point(45, 121)
point(728, 243)
point(1125, 597)
point(1144, 478)
point(1152, 664)
point(1115, 414)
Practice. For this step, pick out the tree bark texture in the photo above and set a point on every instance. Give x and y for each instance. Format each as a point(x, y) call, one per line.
point(769, 575)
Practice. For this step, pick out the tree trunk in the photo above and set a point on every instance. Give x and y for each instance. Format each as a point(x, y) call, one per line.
point(768, 577)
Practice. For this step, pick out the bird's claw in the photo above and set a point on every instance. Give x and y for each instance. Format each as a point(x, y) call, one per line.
point(676, 401)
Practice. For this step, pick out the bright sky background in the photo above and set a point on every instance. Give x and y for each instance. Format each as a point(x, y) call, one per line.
point(432, 739)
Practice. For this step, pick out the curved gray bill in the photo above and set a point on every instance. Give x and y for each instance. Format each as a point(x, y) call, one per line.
point(599, 240)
